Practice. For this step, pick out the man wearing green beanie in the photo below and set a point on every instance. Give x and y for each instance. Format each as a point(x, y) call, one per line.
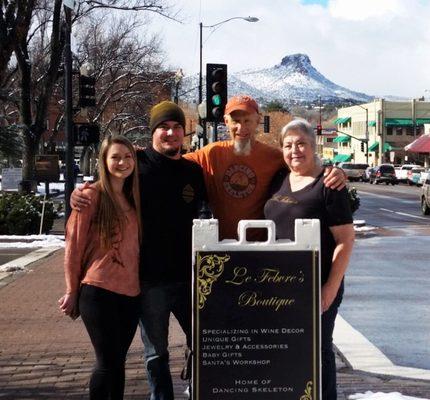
point(172, 191)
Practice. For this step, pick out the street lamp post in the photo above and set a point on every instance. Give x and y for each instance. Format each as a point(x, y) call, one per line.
point(201, 26)
point(367, 133)
point(68, 114)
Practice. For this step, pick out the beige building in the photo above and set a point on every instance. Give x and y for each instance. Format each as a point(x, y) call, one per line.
point(386, 127)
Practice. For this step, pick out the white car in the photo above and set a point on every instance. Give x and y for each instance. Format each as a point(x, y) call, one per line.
point(423, 176)
point(402, 171)
point(414, 175)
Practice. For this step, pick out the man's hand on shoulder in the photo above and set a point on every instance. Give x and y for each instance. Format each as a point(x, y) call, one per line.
point(78, 199)
point(335, 178)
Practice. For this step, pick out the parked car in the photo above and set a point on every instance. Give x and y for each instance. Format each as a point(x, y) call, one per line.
point(423, 176)
point(425, 197)
point(414, 175)
point(383, 173)
point(354, 172)
point(367, 173)
point(402, 171)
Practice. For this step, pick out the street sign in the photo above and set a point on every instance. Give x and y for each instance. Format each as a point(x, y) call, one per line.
point(11, 177)
point(72, 4)
point(256, 313)
point(47, 168)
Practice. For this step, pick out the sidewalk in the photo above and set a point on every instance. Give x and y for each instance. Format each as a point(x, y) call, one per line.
point(44, 355)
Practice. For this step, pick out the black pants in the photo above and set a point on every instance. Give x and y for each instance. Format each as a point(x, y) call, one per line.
point(328, 360)
point(111, 321)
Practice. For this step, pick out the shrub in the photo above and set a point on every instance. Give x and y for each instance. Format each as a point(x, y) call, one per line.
point(20, 214)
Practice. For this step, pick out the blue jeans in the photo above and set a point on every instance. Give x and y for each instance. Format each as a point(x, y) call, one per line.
point(158, 301)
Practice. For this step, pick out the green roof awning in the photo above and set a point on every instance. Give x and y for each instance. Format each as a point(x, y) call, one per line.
point(387, 147)
point(398, 122)
point(371, 123)
point(342, 139)
point(422, 121)
point(405, 121)
point(342, 158)
point(343, 120)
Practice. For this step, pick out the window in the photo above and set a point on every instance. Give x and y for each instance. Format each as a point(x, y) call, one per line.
point(329, 140)
point(410, 130)
point(389, 130)
point(399, 131)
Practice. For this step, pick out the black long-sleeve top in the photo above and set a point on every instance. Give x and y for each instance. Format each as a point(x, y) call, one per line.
point(172, 192)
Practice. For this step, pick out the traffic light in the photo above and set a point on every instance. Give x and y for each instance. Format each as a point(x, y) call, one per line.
point(87, 91)
point(266, 124)
point(86, 134)
point(362, 146)
point(319, 130)
point(216, 91)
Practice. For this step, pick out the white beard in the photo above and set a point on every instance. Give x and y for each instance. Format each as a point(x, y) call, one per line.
point(242, 149)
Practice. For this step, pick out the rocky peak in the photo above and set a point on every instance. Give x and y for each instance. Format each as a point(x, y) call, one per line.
point(297, 63)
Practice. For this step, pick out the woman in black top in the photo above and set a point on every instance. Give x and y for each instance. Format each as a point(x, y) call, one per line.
point(300, 193)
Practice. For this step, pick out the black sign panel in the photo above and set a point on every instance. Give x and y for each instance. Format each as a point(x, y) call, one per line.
point(256, 325)
point(47, 168)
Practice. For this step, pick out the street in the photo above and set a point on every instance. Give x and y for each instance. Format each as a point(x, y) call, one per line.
point(387, 283)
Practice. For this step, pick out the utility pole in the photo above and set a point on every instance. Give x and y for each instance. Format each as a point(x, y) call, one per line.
point(69, 157)
point(367, 136)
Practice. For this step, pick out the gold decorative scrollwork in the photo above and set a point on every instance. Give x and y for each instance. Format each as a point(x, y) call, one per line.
point(209, 269)
point(308, 392)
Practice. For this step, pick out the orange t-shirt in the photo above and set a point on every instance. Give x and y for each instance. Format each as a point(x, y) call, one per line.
point(237, 185)
point(116, 269)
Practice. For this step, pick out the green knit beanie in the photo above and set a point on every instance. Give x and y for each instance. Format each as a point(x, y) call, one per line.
point(166, 111)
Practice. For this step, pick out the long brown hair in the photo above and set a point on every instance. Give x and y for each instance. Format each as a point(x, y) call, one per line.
point(110, 217)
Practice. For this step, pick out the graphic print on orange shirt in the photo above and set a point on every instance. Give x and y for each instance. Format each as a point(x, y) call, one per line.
point(239, 181)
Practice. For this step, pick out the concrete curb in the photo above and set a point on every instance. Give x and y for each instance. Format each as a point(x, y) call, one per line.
point(19, 265)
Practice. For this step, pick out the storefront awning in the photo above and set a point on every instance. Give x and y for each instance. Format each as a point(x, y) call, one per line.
point(371, 123)
point(422, 121)
point(343, 120)
point(420, 145)
point(398, 122)
point(342, 158)
point(387, 147)
point(342, 139)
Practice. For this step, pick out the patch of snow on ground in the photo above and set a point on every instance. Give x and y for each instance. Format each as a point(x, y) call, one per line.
point(364, 228)
point(382, 396)
point(31, 241)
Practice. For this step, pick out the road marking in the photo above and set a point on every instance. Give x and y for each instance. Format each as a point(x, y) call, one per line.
point(404, 214)
point(362, 355)
point(403, 201)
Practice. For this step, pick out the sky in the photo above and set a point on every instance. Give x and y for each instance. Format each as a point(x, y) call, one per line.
point(379, 47)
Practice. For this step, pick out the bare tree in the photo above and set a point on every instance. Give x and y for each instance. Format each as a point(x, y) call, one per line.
point(31, 31)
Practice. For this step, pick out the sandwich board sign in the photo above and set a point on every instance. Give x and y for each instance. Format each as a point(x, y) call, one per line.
point(11, 177)
point(256, 314)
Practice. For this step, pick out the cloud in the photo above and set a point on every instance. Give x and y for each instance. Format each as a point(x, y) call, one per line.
point(374, 46)
point(361, 10)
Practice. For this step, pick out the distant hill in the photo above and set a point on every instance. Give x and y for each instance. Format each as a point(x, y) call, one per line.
point(293, 81)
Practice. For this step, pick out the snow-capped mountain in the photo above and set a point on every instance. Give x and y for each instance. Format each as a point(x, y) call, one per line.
point(294, 80)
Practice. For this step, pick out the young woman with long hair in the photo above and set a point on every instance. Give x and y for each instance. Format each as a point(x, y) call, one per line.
point(101, 265)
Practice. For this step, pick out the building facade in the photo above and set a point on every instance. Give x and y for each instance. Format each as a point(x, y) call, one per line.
point(377, 132)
